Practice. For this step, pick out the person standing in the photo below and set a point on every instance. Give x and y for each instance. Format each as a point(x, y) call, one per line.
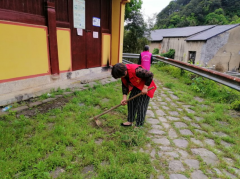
point(137, 80)
point(145, 58)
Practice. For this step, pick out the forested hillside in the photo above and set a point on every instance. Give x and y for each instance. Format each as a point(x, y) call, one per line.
point(182, 13)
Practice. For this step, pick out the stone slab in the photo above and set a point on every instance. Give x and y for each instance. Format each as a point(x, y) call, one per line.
point(164, 148)
point(152, 154)
point(187, 118)
point(166, 125)
point(165, 107)
point(199, 99)
point(198, 118)
point(194, 164)
point(174, 96)
point(173, 118)
point(21, 108)
point(177, 176)
point(169, 99)
point(48, 100)
point(236, 171)
point(195, 125)
point(181, 143)
point(176, 166)
point(162, 119)
point(218, 171)
point(209, 157)
point(190, 110)
point(164, 141)
point(160, 113)
point(173, 113)
point(180, 125)
point(219, 134)
point(152, 121)
point(186, 132)
point(157, 127)
point(35, 104)
point(210, 142)
point(197, 142)
point(155, 107)
point(150, 113)
point(156, 131)
point(163, 103)
point(198, 175)
point(229, 161)
point(152, 103)
point(172, 134)
point(172, 154)
point(187, 106)
point(183, 153)
point(200, 131)
point(229, 174)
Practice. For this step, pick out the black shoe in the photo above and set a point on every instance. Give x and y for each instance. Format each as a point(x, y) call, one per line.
point(124, 125)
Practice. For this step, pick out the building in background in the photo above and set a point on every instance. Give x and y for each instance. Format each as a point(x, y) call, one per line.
point(46, 41)
point(213, 45)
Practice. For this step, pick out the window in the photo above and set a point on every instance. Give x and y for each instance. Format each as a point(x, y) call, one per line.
point(192, 57)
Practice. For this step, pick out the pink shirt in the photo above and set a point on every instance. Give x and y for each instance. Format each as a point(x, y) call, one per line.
point(146, 60)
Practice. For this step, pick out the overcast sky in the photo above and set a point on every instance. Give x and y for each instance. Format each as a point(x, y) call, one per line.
point(149, 7)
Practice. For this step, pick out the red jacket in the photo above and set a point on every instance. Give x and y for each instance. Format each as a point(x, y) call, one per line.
point(137, 82)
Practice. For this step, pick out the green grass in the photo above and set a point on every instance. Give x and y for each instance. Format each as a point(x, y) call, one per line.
point(33, 147)
point(65, 138)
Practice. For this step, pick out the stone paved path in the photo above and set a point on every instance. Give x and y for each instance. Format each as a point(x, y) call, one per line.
point(179, 147)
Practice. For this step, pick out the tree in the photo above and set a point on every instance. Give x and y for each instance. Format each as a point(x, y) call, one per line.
point(216, 17)
point(235, 20)
point(133, 6)
point(180, 13)
point(135, 33)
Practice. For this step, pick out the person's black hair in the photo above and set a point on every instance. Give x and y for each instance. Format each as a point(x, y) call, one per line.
point(146, 48)
point(118, 70)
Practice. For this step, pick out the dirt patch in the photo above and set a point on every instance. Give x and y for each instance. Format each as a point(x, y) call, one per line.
point(44, 108)
point(69, 148)
point(88, 171)
point(57, 172)
point(50, 125)
point(234, 114)
point(99, 141)
point(104, 163)
point(105, 100)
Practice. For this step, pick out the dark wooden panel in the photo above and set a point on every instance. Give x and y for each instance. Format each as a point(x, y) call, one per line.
point(27, 6)
point(62, 10)
point(10, 15)
point(78, 43)
point(52, 31)
point(63, 24)
point(106, 10)
point(93, 9)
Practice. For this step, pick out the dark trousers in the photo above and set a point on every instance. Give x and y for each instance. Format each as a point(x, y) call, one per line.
point(138, 105)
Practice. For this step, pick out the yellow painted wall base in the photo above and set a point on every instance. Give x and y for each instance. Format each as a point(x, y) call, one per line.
point(64, 49)
point(118, 11)
point(106, 49)
point(23, 50)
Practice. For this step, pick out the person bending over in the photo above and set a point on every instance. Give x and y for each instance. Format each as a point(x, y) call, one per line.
point(135, 79)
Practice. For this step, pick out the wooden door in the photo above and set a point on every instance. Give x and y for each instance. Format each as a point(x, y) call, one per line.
point(93, 45)
point(78, 44)
point(86, 50)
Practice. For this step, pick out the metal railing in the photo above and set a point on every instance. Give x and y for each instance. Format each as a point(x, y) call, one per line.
point(227, 80)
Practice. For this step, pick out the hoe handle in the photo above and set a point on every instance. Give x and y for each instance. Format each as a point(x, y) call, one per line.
point(139, 94)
